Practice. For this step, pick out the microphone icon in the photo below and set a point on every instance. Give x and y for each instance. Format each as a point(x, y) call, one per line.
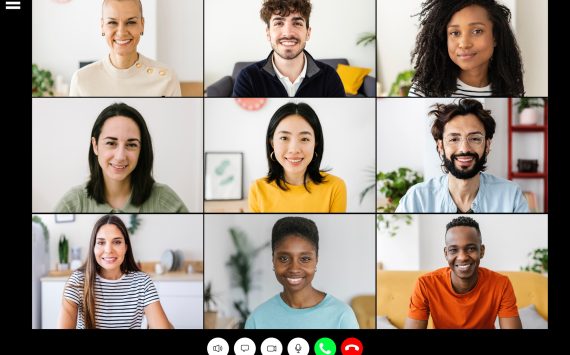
point(298, 348)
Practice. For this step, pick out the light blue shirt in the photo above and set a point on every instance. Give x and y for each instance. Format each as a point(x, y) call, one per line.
point(330, 313)
point(495, 195)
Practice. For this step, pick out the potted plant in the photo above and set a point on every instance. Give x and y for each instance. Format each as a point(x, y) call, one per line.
point(210, 313)
point(394, 185)
point(366, 38)
point(539, 261)
point(403, 83)
point(528, 114)
point(42, 82)
point(63, 251)
point(241, 265)
point(38, 220)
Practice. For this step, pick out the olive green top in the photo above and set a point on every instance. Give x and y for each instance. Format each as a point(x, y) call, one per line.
point(162, 199)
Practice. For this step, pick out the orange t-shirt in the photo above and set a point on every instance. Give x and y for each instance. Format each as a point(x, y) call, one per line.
point(493, 295)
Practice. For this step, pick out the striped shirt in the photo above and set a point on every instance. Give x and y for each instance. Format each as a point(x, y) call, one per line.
point(463, 90)
point(162, 199)
point(118, 303)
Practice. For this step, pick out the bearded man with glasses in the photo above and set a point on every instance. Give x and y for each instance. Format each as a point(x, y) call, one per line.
point(463, 132)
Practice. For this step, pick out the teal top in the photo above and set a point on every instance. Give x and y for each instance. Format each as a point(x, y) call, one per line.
point(330, 313)
point(162, 199)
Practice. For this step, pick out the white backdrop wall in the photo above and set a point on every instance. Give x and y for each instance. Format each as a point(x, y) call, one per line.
point(61, 134)
point(508, 239)
point(346, 256)
point(397, 29)
point(65, 34)
point(155, 234)
point(234, 32)
point(348, 129)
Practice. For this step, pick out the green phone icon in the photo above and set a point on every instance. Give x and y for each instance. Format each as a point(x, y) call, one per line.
point(325, 346)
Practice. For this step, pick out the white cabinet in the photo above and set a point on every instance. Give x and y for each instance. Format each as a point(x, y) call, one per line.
point(182, 303)
point(52, 293)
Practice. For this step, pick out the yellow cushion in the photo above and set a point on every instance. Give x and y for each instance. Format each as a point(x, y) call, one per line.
point(352, 77)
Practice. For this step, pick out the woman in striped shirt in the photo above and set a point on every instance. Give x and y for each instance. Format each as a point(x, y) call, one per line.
point(466, 48)
point(109, 290)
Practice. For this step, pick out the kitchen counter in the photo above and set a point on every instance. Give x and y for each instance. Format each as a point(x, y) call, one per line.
point(169, 276)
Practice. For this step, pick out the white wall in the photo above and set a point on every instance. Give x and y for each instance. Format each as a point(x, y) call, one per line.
point(402, 251)
point(156, 234)
point(61, 134)
point(346, 256)
point(532, 36)
point(180, 37)
point(397, 30)
point(65, 34)
point(508, 239)
point(348, 128)
point(234, 32)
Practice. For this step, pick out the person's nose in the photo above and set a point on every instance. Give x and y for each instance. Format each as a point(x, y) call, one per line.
point(293, 147)
point(108, 247)
point(462, 255)
point(287, 29)
point(465, 42)
point(121, 28)
point(121, 153)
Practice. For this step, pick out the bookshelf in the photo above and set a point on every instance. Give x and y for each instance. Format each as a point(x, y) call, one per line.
point(516, 129)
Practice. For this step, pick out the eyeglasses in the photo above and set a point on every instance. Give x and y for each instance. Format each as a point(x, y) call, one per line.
point(474, 140)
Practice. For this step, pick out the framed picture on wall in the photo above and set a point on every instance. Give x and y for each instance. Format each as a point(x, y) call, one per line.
point(224, 176)
point(64, 218)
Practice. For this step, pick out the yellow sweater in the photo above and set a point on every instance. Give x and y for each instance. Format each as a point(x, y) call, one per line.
point(328, 196)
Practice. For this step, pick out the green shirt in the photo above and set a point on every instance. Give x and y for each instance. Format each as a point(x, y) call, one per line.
point(162, 199)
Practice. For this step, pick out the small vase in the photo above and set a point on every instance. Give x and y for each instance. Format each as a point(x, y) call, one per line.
point(529, 116)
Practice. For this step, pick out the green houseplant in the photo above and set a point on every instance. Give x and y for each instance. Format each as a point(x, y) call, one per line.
point(528, 102)
point(42, 82)
point(63, 252)
point(539, 261)
point(394, 185)
point(403, 83)
point(38, 220)
point(366, 38)
point(210, 303)
point(241, 265)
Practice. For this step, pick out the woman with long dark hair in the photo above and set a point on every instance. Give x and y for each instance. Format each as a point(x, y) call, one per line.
point(295, 181)
point(466, 48)
point(109, 290)
point(120, 162)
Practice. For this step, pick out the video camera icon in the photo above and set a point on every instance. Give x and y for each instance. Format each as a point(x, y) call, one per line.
point(271, 346)
point(218, 346)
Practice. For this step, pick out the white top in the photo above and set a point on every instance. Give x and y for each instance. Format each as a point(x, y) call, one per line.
point(146, 77)
point(289, 86)
point(118, 303)
point(463, 90)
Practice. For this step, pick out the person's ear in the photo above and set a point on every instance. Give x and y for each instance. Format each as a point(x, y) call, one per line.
point(488, 146)
point(267, 34)
point(440, 148)
point(482, 251)
point(308, 33)
point(445, 252)
point(102, 31)
point(142, 24)
point(94, 145)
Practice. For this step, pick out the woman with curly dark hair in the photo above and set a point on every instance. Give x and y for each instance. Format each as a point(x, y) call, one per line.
point(466, 48)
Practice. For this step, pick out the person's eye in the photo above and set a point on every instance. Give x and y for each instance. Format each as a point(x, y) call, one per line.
point(132, 23)
point(118, 242)
point(283, 259)
point(305, 139)
point(454, 33)
point(100, 243)
point(110, 143)
point(452, 251)
point(305, 259)
point(298, 24)
point(476, 140)
point(278, 23)
point(283, 138)
point(112, 23)
point(477, 31)
point(453, 140)
point(132, 145)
